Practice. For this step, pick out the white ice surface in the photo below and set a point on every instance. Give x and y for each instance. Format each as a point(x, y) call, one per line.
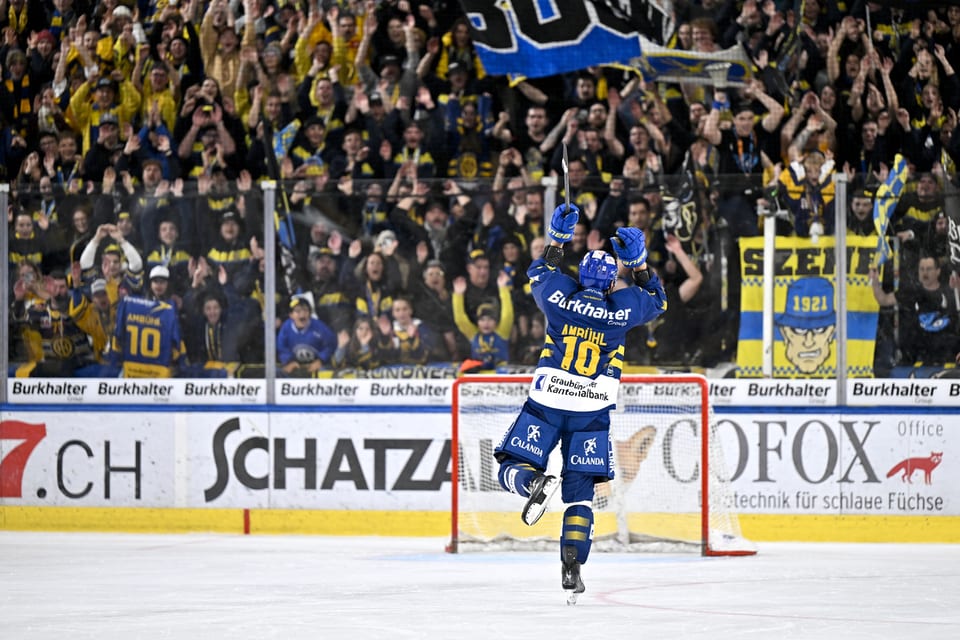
point(106, 586)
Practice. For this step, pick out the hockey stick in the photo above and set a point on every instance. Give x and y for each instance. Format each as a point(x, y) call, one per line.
point(566, 178)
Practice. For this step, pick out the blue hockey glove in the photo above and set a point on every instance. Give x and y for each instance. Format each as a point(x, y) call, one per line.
point(563, 222)
point(630, 246)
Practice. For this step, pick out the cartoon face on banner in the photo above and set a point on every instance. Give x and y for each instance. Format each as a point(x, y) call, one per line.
point(808, 323)
point(806, 309)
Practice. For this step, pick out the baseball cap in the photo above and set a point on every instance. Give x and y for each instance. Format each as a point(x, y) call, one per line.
point(477, 254)
point(486, 310)
point(160, 271)
point(455, 67)
point(109, 118)
point(389, 59)
point(105, 82)
point(298, 300)
point(800, 294)
point(98, 286)
point(230, 216)
point(376, 97)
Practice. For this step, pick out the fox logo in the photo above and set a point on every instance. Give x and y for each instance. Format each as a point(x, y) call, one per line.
point(908, 466)
point(533, 433)
point(589, 446)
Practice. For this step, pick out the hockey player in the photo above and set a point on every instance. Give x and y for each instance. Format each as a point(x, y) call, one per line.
point(575, 384)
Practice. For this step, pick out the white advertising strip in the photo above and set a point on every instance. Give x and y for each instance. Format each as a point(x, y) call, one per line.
point(779, 463)
point(201, 391)
point(364, 391)
point(776, 393)
point(917, 392)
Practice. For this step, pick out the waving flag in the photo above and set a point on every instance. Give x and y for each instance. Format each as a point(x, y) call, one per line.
point(718, 68)
point(951, 205)
point(541, 38)
point(535, 38)
point(887, 197)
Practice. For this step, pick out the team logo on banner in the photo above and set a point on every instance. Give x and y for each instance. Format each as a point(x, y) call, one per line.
point(805, 308)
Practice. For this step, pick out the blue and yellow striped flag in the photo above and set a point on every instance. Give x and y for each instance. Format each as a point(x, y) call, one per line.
point(283, 139)
point(887, 197)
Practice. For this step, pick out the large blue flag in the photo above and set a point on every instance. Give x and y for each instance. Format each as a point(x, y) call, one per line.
point(535, 38)
point(538, 38)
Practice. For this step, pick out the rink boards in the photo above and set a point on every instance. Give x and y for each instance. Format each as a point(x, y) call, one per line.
point(382, 467)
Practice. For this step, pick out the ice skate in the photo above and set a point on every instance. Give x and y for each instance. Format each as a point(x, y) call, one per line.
point(542, 489)
point(570, 575)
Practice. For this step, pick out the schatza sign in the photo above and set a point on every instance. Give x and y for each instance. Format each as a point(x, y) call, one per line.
point(322, 468)
point(778, 463)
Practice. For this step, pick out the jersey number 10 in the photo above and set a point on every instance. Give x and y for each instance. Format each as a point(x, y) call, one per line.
point(144, 341)
point(582, 355)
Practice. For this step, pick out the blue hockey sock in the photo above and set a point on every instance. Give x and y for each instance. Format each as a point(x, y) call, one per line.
point(578, 529)
point(515, 477)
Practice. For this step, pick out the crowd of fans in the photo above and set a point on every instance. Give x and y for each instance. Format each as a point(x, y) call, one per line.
point(412, 186)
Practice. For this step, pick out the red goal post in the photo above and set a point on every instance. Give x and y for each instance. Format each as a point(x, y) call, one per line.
point(672, 491)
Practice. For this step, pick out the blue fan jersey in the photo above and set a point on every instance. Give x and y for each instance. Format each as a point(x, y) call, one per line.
point(147, 338)
point(316, 342)
point(582, 359)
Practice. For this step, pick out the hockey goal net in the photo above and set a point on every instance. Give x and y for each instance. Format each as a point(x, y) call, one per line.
point(671, 491)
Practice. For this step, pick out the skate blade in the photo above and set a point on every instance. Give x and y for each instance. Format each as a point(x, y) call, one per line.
point(533, 511)
point(532, 515)
point(572, 597)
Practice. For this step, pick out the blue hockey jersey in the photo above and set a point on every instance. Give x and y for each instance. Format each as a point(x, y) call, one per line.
point(147, 338)
point(580, 366)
